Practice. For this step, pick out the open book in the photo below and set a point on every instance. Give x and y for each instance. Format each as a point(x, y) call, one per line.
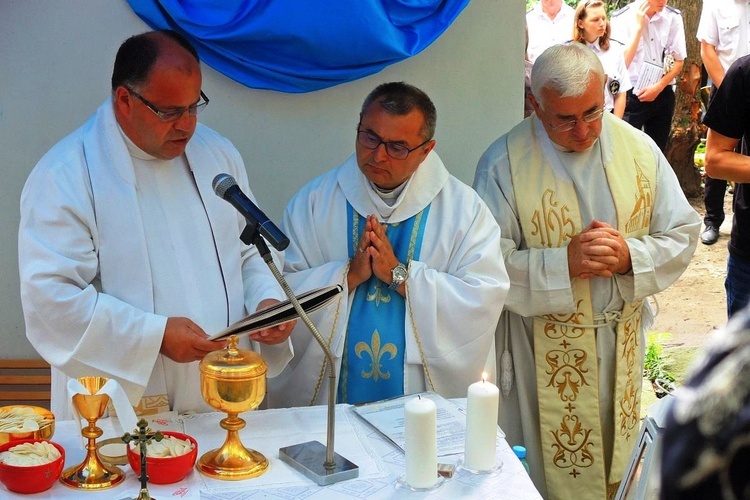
point(280, 313)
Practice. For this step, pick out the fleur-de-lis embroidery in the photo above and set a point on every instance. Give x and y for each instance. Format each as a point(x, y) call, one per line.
point(572, 445)
point(378, 295)
point(376, 353)
point(567, 371)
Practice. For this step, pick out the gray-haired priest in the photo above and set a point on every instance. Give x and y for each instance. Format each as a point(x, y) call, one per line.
point(593, 222)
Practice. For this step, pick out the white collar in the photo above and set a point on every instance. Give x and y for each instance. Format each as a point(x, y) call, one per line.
point(418, 192)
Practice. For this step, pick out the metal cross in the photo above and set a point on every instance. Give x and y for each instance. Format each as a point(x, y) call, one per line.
point(143, 437)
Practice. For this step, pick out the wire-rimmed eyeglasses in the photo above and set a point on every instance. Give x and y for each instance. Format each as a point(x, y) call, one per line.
point(175, 114)
point(589, 117)
point(395, 150)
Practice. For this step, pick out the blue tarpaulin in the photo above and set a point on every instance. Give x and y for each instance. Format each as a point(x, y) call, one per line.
point(302, 45)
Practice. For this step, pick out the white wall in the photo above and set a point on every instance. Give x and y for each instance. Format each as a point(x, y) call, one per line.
point(55, 65)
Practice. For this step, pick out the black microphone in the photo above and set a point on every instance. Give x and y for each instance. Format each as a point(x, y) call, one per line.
point(226, 187)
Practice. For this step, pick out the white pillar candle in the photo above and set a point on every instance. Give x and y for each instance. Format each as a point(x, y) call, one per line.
point(421, 442)
point(481, 425)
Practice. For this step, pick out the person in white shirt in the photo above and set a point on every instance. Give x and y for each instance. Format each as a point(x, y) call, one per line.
point(126, 256)
point(593, 29)
point(654, 38)
point(548, 23)
point(724, 35)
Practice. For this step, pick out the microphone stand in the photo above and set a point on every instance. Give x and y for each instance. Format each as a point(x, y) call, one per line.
point(321, 464)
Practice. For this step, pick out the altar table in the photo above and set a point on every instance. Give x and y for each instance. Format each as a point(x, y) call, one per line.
point(379, 460)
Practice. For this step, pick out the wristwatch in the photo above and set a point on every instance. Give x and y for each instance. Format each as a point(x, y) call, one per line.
point(398, 276)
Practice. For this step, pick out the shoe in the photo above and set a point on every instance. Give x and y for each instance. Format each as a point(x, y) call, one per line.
point(710, 235)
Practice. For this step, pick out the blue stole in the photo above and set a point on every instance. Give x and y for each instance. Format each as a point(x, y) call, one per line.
point(372, 367)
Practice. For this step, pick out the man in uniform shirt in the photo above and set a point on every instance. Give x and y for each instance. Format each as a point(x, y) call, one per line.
point(593, 221)
point(654, 38)
point(549, 22)
point(723, 33)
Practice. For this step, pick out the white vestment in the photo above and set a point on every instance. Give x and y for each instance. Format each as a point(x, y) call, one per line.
point(112, 244)
point(455, 290)
point(540, 283)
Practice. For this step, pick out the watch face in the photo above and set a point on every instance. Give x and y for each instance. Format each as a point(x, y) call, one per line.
point(398, 276)
point(400, 272)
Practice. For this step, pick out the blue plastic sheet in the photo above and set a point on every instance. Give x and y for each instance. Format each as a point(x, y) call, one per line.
point(302, 45)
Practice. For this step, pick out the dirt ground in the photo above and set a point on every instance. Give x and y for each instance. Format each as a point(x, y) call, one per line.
point(695, 305)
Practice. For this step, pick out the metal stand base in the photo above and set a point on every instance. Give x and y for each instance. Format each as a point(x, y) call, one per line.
point(309, 459)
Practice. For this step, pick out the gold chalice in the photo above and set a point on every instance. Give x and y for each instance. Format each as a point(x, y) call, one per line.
point(233, 380)
point(92, 474)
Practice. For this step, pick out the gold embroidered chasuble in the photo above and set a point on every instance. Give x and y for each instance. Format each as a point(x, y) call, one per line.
point(565, 344)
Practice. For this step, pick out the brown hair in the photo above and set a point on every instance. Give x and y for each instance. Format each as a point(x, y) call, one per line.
point(580, 15)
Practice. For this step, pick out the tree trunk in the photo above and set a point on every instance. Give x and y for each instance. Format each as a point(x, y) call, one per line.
point(687, 128)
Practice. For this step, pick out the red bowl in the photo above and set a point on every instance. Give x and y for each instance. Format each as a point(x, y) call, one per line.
point(165, 470)
point(34, 478)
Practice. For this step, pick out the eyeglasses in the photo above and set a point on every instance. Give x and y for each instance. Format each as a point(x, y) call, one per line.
point(176, 114)
point(569, 124)
point(395, 150)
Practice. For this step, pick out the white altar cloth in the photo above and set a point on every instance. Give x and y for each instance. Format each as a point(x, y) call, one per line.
point(380, 462)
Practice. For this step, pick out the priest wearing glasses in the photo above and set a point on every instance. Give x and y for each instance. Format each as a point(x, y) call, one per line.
point(127, 258)
point(417, 252)
point(593, 221)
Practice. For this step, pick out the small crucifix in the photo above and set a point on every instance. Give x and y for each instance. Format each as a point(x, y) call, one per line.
point(143, 437)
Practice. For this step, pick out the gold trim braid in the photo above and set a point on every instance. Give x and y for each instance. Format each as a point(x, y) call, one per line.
point(330, 339)
point(416, 337)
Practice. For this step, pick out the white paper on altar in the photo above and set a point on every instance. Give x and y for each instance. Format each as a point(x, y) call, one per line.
point(388, 417)
point(270, 430)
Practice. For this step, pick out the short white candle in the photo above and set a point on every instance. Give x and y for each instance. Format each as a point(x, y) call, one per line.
point(481, 425)
point(421, 442)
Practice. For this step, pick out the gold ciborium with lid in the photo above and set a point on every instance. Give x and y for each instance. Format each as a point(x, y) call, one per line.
point(233, 380)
